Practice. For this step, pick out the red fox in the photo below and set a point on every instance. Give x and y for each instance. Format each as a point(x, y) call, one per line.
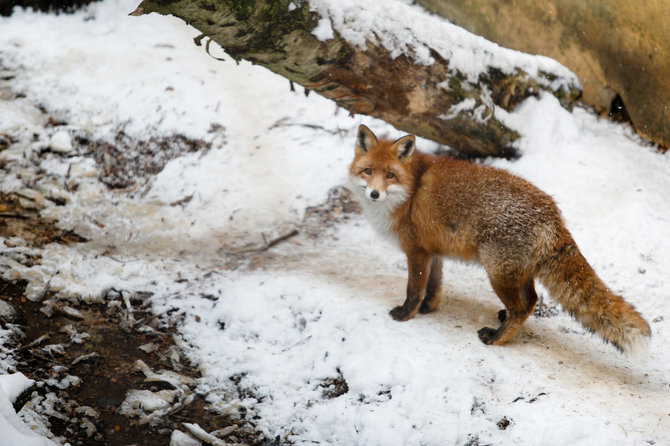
point(435, 207)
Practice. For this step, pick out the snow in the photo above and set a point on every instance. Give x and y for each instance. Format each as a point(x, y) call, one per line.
point(323, 30)
point(179, 438)
point(61, 142)
point(318, 308)
point(405, 29)
point(146, 400)
point(14, 431)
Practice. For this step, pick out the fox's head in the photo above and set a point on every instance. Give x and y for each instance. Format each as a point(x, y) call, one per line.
point(379, 171)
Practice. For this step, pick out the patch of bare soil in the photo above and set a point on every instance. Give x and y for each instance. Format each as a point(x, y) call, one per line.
point(88, 358)
point(19, 218)
point(318, 221)
point(125, 162)
point(339, 206)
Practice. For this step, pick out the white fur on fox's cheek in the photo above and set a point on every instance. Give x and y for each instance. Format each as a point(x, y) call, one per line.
point(398, 191)
point(396, 188)
point(357, 181)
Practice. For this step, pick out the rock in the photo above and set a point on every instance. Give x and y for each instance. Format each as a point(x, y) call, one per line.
point(148, 348)
point(7, 312)
point(139, 401)
point(61, 142)
point(179, 438)
point(87, 411)
point(88, 426)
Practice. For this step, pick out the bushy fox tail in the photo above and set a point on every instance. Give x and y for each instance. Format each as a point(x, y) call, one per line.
point(573, 283)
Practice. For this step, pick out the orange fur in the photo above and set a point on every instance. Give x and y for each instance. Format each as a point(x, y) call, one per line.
point(436, 207)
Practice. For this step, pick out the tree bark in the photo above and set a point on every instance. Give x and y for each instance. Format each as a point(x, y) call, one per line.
point(54, 6)
point(416, 98)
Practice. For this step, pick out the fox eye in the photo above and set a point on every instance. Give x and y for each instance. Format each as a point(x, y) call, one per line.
point(390, 175)
point(368, 171)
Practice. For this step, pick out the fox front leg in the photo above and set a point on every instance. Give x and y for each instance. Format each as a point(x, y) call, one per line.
point(434, 288)
point(418, 265)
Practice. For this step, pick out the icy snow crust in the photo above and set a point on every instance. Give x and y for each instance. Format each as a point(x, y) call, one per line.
point(320, 307)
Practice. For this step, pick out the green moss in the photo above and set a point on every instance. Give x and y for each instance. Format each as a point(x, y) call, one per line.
point(243, 10)
point(601, 11)
point(459, 87)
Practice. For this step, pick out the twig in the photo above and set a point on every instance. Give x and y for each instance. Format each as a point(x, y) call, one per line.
point(14, 215)
point(282, 123)
point(85, 357)
point(267, 245)
point(44, 358)
point(198, 40)
point(181, 405)
point(123, 262)
point(202, 435)
point(181, 201)
point(35, 342)
point(280, 239)
point(47, 287)
point(68, 311)
point(162, 413)
point(210, 54)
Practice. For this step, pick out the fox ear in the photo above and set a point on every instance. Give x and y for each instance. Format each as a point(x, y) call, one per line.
point(404, 147)
point(365, 139)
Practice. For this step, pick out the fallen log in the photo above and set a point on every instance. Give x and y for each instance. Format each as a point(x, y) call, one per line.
point(417, 72)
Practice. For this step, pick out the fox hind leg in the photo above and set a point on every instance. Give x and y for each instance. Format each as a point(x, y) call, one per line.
point(519, 303)
point(529, 296)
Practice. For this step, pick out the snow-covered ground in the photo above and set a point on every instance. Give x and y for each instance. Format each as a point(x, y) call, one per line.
point(14, 430)
point(317, 309)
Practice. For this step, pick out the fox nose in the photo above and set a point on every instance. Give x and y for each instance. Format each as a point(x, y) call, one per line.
point(374, 194)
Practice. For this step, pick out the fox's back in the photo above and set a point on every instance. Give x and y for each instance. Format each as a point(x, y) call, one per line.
point(473, 205)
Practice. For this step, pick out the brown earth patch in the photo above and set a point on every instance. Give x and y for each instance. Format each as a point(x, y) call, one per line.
point(84, 356)
point(87, 359)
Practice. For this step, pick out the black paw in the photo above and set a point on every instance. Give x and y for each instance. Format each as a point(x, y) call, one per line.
point(487, 335)
point(502, 315)
point(400, 313)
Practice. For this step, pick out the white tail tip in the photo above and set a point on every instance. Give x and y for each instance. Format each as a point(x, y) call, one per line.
point(637, 345)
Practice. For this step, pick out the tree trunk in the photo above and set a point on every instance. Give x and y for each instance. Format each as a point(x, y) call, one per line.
point(414, 97)
point(618, 48)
